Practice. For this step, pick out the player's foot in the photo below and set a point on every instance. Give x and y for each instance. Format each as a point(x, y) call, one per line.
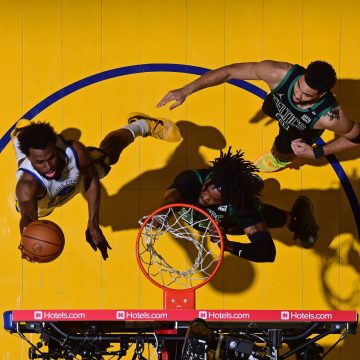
point(163, 129)
point(303, 222)
point(269, 163)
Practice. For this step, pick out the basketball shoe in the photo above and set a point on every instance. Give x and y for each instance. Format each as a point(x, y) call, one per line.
point(269, 163)
point(163, 129)
point(303, 222)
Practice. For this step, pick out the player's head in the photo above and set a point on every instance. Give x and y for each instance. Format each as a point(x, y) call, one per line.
point(38, 142)
point(233, 180)
point(320, 76)
point(318, 79)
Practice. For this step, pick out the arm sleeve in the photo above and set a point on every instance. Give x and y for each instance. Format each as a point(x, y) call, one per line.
point(261, 248)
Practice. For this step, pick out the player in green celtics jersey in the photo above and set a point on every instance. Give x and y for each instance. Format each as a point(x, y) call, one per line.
point(300, 100)
point(230, 192)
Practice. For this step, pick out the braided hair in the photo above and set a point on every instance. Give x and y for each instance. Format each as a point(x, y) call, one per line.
point(236, 179)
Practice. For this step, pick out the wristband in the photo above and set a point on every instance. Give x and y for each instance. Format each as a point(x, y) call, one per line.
point(318, 152)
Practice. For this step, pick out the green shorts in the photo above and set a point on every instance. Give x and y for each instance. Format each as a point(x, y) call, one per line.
point(101, 160)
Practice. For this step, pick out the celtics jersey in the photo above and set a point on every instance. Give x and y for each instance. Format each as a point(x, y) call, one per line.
point(295, 121)
point(189, 183)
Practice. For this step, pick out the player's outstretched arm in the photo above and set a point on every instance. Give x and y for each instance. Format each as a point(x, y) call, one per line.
point(94, 235)
point(270, 71)
point(28, 190)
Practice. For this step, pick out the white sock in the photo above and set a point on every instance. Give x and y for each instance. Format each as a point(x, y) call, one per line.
point(138, 128)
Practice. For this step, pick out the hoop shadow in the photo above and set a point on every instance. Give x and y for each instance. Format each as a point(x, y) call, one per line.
point(331, 228)
point(347, 251)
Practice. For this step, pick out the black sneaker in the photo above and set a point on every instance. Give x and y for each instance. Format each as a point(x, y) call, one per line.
point(303, 222)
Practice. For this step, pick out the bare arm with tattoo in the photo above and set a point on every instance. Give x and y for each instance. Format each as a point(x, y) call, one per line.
point(337, 121)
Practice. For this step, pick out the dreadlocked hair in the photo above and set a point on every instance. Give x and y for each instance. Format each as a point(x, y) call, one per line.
point(37, 135)
point(236, 179)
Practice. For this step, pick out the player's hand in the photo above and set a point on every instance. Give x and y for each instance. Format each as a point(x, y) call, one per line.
point(301, 149)
point(97, 240)
point(179, 95)
point(215, 235)
point(103, 247)
point(157, 221)
point(24, 254)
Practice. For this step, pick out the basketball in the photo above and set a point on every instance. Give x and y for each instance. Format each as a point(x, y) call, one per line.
point(43, 241)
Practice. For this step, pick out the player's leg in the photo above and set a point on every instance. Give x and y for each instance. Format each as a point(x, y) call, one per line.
point(275, 217)
point(138, 125)
point(301, 220)
point(115, 142)
point(280, 155)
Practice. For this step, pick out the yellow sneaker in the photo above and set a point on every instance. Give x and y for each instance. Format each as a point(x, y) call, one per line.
point(269, 163)
point(163, 129)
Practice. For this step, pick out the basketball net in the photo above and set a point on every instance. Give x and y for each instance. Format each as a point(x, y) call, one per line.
point(179, 248)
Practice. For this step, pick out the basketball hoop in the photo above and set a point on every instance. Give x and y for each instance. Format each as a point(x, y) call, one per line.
point(179, 248)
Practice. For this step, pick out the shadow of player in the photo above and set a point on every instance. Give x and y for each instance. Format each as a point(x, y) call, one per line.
point(337, 243)
point(150, 186)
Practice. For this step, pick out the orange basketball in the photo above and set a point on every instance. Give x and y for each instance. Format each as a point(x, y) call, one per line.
point(43, 241)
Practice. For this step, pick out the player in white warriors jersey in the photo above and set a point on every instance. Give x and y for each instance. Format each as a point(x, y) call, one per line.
point(52, 171)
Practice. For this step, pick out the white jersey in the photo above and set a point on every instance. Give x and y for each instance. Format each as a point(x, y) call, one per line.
point(61, 190)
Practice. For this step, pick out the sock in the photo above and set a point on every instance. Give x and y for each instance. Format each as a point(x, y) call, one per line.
point(138, 128)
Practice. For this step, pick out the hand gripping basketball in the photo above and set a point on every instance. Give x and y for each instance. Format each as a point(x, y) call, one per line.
point(42, 241)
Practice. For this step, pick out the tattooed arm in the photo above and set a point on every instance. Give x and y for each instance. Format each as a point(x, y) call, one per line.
point(335, 120)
